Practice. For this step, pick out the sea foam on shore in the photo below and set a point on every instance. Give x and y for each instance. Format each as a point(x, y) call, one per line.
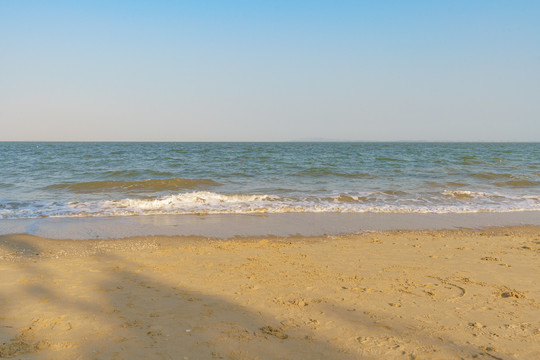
point(123, 179)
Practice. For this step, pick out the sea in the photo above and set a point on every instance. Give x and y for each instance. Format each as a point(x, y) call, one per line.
point(96, 179)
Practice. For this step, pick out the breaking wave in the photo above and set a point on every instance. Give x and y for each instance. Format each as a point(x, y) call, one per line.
point(465, 194)
point(203, 202)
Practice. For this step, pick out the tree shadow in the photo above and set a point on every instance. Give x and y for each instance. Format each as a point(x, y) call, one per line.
point(96, 304)
point(128, 313)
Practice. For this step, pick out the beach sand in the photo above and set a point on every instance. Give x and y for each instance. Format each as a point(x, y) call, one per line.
point(446, 294)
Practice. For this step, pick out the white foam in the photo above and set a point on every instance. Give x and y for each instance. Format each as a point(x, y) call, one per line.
point(467, 193)
point(202, 202)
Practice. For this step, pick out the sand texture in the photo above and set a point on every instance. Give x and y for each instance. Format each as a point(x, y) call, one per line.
point(463, 294)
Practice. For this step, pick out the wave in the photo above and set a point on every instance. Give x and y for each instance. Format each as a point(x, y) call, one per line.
point(517, 183)
point(465, 194)
point(204, 202)
point(150, 185)
point(491, 176)
point(395, 192)
point(447, 184)
point(350, 199)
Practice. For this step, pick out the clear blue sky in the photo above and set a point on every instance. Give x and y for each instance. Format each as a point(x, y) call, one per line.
point(270, 70)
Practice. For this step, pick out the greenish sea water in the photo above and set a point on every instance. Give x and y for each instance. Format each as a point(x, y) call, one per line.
point(118, 179)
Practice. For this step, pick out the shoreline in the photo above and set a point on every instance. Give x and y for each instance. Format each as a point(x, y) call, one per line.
point(400, 294)
point(258, 225)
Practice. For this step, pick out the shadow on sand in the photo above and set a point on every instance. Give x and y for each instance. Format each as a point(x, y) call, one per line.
point(91, 303)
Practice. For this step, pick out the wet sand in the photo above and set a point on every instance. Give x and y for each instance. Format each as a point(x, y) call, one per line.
point(225, 226)
point(430, 294)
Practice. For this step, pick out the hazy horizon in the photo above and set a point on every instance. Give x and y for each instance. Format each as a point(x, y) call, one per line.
point(273, 141)
point(414, 71)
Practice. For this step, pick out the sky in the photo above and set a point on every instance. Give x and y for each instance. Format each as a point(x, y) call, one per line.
point(269, 70)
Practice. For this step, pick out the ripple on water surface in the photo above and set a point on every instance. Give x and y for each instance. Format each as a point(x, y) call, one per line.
point(149, 185)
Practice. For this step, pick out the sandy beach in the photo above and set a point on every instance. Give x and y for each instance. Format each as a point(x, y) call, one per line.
point(432, 294)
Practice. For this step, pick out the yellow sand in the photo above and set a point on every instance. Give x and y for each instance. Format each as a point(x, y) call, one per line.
point(380, 295)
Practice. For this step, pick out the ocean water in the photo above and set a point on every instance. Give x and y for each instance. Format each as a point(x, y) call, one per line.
point(121, 179)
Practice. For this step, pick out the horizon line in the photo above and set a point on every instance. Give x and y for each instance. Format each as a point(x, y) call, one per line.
point(270, 141)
